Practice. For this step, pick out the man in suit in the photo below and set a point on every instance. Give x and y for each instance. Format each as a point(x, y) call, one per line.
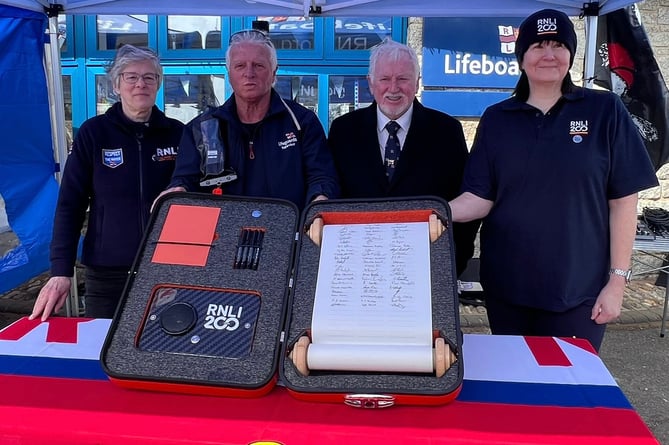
point(432, 149)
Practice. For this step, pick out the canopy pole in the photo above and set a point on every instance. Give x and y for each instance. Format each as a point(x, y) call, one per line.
point(56, 102)
point(591, 13)
point(57, 112)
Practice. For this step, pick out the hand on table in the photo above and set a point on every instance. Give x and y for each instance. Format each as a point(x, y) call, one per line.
point(51, 297)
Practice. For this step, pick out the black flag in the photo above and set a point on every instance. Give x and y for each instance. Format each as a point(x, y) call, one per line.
point(625, 65)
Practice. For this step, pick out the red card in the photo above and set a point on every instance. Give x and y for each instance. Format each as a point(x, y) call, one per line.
point(187, 235)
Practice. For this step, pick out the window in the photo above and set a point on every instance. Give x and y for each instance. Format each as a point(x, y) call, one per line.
point(357, 33)
point(301, 89)
point(67, 102)
point(116, 30)
point(62, 32)
point(322, 60)
point(291, 33)
point(347, 93)
point(105, 96)
point(295, 37)
point(193, 32)
point(188, 95)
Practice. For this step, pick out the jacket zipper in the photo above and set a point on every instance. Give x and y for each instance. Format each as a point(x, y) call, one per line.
point(252, 154)
point(139, 137)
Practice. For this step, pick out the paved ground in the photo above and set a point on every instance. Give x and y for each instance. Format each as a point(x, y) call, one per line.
point(638, 359)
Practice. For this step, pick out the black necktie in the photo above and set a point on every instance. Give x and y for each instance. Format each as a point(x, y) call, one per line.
point(392, 151)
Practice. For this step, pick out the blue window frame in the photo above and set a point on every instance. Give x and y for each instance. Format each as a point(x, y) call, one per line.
point(74, 100)
point(101, 94)
point(322, 61)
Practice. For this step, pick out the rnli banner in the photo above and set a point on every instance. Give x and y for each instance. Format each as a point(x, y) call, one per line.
point(468, 63)
point(470, 52)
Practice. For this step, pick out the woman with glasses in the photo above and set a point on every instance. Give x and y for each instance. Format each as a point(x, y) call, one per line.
point(120, 161)
point(274, 147)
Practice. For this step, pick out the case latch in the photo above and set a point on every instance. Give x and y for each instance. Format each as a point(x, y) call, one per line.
point(369, 400)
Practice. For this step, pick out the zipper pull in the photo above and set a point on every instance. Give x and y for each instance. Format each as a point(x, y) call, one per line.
point(252, 155)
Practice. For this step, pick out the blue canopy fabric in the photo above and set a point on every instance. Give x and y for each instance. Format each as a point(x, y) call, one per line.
point(27, 182)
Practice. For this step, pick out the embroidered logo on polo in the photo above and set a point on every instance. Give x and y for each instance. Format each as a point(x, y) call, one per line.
point(290, 141)
point(578, 129)
point(546, 26)
point(165, 154)
point(112, 158)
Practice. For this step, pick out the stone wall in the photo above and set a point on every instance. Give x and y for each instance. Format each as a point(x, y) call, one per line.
point(655, 19)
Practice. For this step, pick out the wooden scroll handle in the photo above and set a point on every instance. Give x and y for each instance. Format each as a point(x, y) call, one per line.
point(299, 355)
point(436, 227)
point(443, 356)
point(315, 231)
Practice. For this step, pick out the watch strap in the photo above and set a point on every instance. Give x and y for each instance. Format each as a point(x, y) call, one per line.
point(626, 273)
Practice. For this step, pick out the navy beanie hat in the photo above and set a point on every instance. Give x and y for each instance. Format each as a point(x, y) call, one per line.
point(547, 24)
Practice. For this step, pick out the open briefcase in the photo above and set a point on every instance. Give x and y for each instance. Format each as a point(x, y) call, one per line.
point(223, 293)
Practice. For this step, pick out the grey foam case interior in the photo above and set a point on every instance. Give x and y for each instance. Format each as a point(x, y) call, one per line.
point(445, 315)
point(123, 360)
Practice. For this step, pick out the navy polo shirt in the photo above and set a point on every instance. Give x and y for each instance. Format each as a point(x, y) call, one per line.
point(545, 243)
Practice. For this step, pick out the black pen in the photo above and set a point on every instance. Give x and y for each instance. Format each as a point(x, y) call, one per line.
point(256, 254)
point(243, 237)
point(253, 236)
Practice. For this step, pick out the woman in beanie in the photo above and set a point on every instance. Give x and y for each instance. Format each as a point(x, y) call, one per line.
point(554, 171)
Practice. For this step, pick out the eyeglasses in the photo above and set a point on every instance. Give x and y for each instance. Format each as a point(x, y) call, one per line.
point(133, 78)
point(249, 35)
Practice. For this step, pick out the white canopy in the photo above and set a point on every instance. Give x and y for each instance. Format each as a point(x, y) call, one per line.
point(399, 8)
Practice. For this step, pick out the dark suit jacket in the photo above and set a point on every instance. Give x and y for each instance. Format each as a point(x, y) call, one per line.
point(431, 162)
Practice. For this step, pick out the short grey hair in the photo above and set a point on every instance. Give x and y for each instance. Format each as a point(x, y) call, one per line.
point(254, 36)
point(128, 54)
point(391, 50)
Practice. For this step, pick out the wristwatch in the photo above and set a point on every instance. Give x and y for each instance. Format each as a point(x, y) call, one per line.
point(623, 273)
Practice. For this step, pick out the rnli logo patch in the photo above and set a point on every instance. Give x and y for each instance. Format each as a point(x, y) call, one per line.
point(578, 130)
point(112, 158)
point(165, 154)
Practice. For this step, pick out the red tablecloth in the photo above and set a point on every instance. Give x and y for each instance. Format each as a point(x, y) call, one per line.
point(516, 391)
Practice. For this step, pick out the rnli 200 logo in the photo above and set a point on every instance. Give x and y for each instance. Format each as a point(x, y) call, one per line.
point(222, 317)
point(578, 129)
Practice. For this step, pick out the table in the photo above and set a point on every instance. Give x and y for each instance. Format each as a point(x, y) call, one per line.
point(654, 248)
point(517, 390)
